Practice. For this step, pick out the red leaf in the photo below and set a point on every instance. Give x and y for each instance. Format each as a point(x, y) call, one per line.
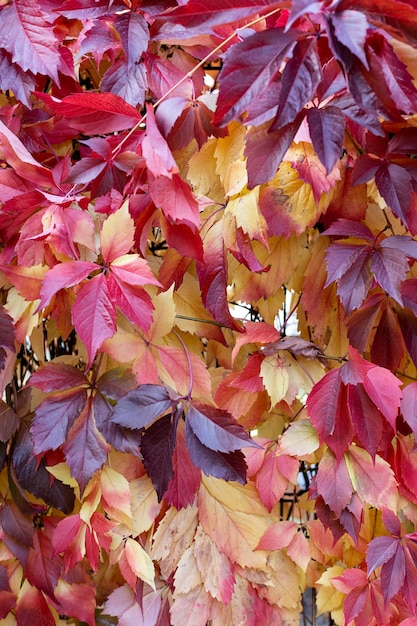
point(94, 113)
point(350, 29)
point(33, 45)
point(140, 407)
point(32, 608)
point(333, 482)
point(6, 336)
point(186, 480)
point(327, 131)
point(134, 35)
point(93, 315)
point(300, 79)
point(329, 414)
point(176, 200)
point(13, 77)
point(212, 275)
point(63, 275)
point(126, 82)
point(85, 449)
point(367, 420)
point(217, 429)
point(57, 376)
point(159, 159)
point(248, 69)
point(20, 159)
point(42, 570)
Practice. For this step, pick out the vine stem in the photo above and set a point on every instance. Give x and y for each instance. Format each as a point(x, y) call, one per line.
point(190, 74)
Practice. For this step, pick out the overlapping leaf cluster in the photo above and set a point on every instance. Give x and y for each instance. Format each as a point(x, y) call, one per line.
point(208, 323)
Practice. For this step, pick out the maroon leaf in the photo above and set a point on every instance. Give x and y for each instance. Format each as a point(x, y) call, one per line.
point(327, 126)
point(134, 35)
point(120, 438)
point(389, 268)
point(350, 29)
point(94, 315)
point(300, 79)
point(217, 429)
point(366, 419)
point(157, 447)
point(9, 422)
point(42, 569)
point(249, 68)
point(140, 407)
point(230, 466)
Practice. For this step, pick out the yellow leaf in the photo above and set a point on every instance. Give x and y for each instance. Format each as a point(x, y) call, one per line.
point(283, 589)
point(140, 562)
point(62, 472)
point(116, 493)
point(235, 519)
point(229, 150)
point(188, 304)
point(236, 177)
point(191, 609)
point(145, 505)
point(117, 233)
point(202, 173)
point(328, 598)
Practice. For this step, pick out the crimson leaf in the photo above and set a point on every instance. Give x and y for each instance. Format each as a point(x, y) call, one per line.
point(327, 130)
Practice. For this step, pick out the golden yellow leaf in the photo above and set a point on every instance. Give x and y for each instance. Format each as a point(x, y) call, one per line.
point(229, 150)
point(61, 471)
point(235, 519)
point(163, 316)
point(188, 304)
point(236, 177)
point(283, 588)
point(140, 562)
point(245, 209)
point(202, 173)
point(275, 378)
point(328, 598)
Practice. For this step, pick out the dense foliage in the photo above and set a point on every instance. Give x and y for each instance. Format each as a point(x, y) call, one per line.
point(208, 320)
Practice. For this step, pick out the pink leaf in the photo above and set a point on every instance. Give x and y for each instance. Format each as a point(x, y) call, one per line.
point(63, 275)
point(176, 200)
point(159, 159)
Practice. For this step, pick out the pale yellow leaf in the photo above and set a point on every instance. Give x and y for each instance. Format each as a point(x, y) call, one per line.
point(328, 598)
point(202, 173)
point(275, 378)
point(173, 536)
point(284, 589)
point(61, 471)
point(117, 233)
point(215, 567)
point(229, 149)
point(299, 439)
point(191, 609)
point(140, 562)
point(236, 177)
point(187, 575)
point(188, 304)
point(235, 519)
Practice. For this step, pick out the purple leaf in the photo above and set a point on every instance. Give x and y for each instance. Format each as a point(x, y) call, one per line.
point(300, 78)
point(327, 131)
point(120, 438)
point(134, 35)
point(339, 258)
point(85, 449)
point(126, 82)
point(33, 476)
point(158, 443)
point(265, 150)
point(350, 29)
point(140, 407)
point(54, 417)
point(9, 421)
point(389, 267)
point(349, 228)
point(394, 185)
point(230, 466)
point(249, 67)
point(355, 283)
point(406, 244)
point(217, 429)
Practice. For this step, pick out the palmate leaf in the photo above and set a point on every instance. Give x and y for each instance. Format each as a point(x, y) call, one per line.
point(138, 408)
point(229, 466)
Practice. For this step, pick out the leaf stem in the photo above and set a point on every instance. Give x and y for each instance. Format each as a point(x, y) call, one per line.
point(198, 319)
